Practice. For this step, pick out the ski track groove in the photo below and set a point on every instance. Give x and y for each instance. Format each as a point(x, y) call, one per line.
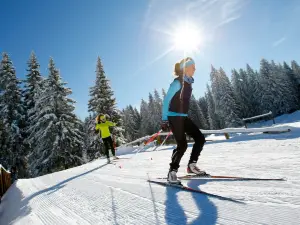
point(54, 199)
point(191, 213)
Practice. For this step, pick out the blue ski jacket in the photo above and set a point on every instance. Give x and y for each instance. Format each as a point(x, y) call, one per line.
point(177, 99)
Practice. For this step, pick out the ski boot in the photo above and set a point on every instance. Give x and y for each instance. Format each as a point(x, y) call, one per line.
point(172, 177)
point(193, 169)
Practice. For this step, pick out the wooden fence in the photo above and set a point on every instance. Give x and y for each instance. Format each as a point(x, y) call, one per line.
point(5, 181)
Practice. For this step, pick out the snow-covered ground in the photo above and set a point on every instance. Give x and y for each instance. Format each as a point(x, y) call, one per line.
point(96, 193)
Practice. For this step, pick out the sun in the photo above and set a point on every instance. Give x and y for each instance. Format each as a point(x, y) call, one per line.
point(187, 37)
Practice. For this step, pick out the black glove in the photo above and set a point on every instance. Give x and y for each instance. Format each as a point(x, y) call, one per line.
point(165, 126)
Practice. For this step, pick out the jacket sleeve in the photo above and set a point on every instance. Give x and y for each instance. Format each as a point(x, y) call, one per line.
point(174, 87)
point(111, 124)
point(96, 129)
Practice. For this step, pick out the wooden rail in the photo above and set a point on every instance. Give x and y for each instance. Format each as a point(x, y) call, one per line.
point(5, 181)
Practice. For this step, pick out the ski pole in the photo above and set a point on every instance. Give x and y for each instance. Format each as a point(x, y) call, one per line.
point(163, 141)
point(150, 140)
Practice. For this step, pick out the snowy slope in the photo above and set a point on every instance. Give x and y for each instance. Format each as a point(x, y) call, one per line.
point(96, 193)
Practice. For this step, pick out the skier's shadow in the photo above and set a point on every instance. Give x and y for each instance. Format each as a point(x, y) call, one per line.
point(175, 214)
point(208, 212)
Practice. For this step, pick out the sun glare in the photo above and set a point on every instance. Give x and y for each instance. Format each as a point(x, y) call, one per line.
point(187, 38)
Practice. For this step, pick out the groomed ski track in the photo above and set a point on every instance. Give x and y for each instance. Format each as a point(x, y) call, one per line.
point(100, 193)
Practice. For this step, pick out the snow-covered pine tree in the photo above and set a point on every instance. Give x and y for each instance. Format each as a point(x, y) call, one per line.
point(213, 118)
point(137, 123)
point(55, 136)
point(153, 124)
point(225, 103)
point(158, 109)
point(93, 147)
point(33, 80)
point(12, 115)
point(5, 156)
point(255, 92)
point(103, 101)
point(163, 94)
point(196, 115)
point(145, 129)
point(202, 102)
point(296, 70)
point(289, 99)
point(240, 86)
point(215, 86)
point(292, 84)
point(129, 125)
point(270, 95)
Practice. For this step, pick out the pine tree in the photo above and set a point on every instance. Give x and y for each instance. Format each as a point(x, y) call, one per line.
point(103, 102)
point(145, 129)
point(203, 104)
point(285, 78)
point(270, 96)
point(128, 114)
point(137, 123)
point(33, 80)
point(163, 93)
point(157, 109)
point(296, 70)
point(255, 92)
point(213, 119)
point(240, 86)
point(55, 136)
point(274, 87)
point(293, 85)
point(225, 102)
point(196, 114)
point(12, 115)
point(93, 147)
point(6, 155)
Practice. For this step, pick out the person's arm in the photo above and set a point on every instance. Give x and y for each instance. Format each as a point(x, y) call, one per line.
point(174, 87)
point(96, 129)
point(111, 124)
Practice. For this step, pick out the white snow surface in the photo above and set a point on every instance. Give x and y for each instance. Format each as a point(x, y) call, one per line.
point(97, 193)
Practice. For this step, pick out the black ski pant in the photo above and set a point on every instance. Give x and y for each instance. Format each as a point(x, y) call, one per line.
point(108, 143)
point(180, 127)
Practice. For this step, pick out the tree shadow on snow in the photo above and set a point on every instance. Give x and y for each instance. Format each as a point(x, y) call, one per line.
point(11, 201)
point(23, 209)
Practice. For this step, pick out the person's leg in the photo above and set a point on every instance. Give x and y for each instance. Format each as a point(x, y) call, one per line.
point(199, 139)
point(106, 144)
point(111, 144)
point(177, 127)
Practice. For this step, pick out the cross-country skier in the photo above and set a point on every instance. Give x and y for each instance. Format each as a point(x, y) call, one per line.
point(102, 126)
point(175, 117)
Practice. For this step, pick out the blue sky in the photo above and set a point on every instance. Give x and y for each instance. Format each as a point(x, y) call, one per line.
point(133, 38)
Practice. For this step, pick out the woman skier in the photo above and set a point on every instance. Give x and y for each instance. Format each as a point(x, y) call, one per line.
point(102, 126)
point(175, 117)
